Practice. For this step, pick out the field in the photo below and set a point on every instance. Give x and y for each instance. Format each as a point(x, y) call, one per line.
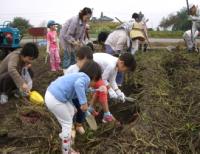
point(164, 118)
point(110, 26)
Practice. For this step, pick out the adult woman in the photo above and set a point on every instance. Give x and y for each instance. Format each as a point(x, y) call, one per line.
point(72, 35)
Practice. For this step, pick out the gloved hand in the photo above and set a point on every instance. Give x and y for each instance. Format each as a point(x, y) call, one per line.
point(91, 90)
point(112, 93)
point(120, 95)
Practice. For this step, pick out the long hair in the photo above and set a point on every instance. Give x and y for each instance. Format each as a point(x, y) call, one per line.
point(85, 11)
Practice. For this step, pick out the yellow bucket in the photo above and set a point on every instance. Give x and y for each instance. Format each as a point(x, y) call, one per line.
point(36, 98)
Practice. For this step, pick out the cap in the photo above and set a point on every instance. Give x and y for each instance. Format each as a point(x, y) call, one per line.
point(51, 23)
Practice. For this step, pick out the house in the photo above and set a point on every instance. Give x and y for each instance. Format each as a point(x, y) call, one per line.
point(102, 18)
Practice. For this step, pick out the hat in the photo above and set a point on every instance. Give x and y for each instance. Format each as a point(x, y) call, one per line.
point(51, 23)
point(136, 32)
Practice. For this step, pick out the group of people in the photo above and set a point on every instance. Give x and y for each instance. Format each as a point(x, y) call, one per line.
point(73, 34)
point(95, 70)
point(129, 36)
point(84, 70)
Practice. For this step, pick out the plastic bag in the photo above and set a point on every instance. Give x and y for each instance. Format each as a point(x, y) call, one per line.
point(26, 76)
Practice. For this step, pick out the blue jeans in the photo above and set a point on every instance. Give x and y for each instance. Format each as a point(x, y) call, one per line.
point(120, 78)
point(108, 49)
point(80, 115)
point(68, 59)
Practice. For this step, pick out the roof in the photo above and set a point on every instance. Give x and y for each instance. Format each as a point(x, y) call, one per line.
point(102, 18)
point(105, 18)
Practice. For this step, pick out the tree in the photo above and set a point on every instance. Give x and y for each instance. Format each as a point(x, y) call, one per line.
point(43, 24)
point(22, 24)
point(178, 21)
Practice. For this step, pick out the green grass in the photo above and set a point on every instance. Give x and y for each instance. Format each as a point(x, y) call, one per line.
point(165, 34)
point(110, 26)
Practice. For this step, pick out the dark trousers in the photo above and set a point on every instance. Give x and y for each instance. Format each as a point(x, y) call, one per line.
point(80, 115)
point(7, 84)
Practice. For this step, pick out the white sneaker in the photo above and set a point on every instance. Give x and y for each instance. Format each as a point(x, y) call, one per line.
point(3, 98)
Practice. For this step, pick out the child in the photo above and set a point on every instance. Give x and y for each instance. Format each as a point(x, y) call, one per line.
point(118, 41)
point(60, 93)
point(53, 46)
point(11, 69)
point(110, 65)
point(83, 54)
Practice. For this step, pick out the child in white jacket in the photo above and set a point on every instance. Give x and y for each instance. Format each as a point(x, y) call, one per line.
point(110, 66)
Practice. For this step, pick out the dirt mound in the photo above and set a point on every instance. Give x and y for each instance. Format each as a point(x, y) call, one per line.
point(166, 88)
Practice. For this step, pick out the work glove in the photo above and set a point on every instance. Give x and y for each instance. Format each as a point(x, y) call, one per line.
point(100, 89)
point(112, 93)
point(120, 95)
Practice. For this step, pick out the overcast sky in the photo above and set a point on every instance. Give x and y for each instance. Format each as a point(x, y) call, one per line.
point(39, 11)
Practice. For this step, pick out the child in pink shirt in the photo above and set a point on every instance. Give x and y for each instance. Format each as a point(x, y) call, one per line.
point(53, 46)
